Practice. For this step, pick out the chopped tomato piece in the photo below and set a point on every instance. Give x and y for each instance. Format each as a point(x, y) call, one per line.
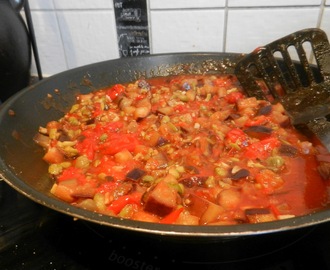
point(108, 186)
point(119, 142)
point(222, 82)
point(87, 147)
point(97, 109)
point(257, 121)
point(72, 173)
point(269, 180)
point(233, 97)
point(112, 126)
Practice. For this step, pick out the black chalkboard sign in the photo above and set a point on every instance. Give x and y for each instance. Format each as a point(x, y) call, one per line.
point(132, 27)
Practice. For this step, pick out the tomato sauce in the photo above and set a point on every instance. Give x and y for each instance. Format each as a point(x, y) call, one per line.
point(189, 150)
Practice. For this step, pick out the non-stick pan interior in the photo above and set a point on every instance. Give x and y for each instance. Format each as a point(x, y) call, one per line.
point(21, 164)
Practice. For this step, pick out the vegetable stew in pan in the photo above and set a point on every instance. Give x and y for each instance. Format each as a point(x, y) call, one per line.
point(186, 149)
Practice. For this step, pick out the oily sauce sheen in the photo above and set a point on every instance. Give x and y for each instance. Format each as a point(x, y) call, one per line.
point(191, 150)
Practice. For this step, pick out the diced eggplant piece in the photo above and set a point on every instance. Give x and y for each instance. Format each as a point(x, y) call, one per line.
point(258, 215)
point(324, 170)
point(90, 121)
point(195, 204)
point(125, 102)
point(135, 174)
point(205, 146)
point(257, 211)
point(242, 173)
point(200, 207)
point(288, 150)
point(234, 116)
point(187, 219)
point(323, 157)
point(191, 169)
point(53, 155)
point(158, 161)
point(42, 140)
point(161, 141)
point(229, 198)
point(84, 191)
point(259, 132)
point(124, 188)
point(194, 181)
point(211, 214)
point(200, 83)
point(265, 110)
point(186, 86)
point(109, 178)
point(64, 137)
point(167, 110)
point(65, 189)
point(161, 199)
point(87, 204)
point(144, 84)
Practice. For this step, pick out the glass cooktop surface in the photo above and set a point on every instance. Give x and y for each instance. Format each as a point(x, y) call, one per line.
point(35, 237)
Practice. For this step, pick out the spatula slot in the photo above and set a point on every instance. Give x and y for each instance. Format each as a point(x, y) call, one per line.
point(299, 60)
point(293, 70)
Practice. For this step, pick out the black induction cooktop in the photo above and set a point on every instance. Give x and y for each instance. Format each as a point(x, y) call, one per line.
point(35, 237)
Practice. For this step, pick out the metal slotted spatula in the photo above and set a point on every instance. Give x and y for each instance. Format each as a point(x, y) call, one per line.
point(271, 72)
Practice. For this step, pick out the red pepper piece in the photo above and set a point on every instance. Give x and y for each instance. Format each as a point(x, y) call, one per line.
point(261, 149)
point(115, 91)
point(172, 217)
point(117, 205)
point(237, 135)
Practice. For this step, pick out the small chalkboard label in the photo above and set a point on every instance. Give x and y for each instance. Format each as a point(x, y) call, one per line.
point(132, 27)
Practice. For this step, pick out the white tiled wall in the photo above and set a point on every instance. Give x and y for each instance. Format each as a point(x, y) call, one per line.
point(79, 32)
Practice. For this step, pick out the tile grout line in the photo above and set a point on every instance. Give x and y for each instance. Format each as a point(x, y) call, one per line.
point(320, 17)
point(149, 26)
point(61, 36)
point(234, 7)
point(224, 42)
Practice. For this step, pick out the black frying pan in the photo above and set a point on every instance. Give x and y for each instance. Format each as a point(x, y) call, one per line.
point(22, 167)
